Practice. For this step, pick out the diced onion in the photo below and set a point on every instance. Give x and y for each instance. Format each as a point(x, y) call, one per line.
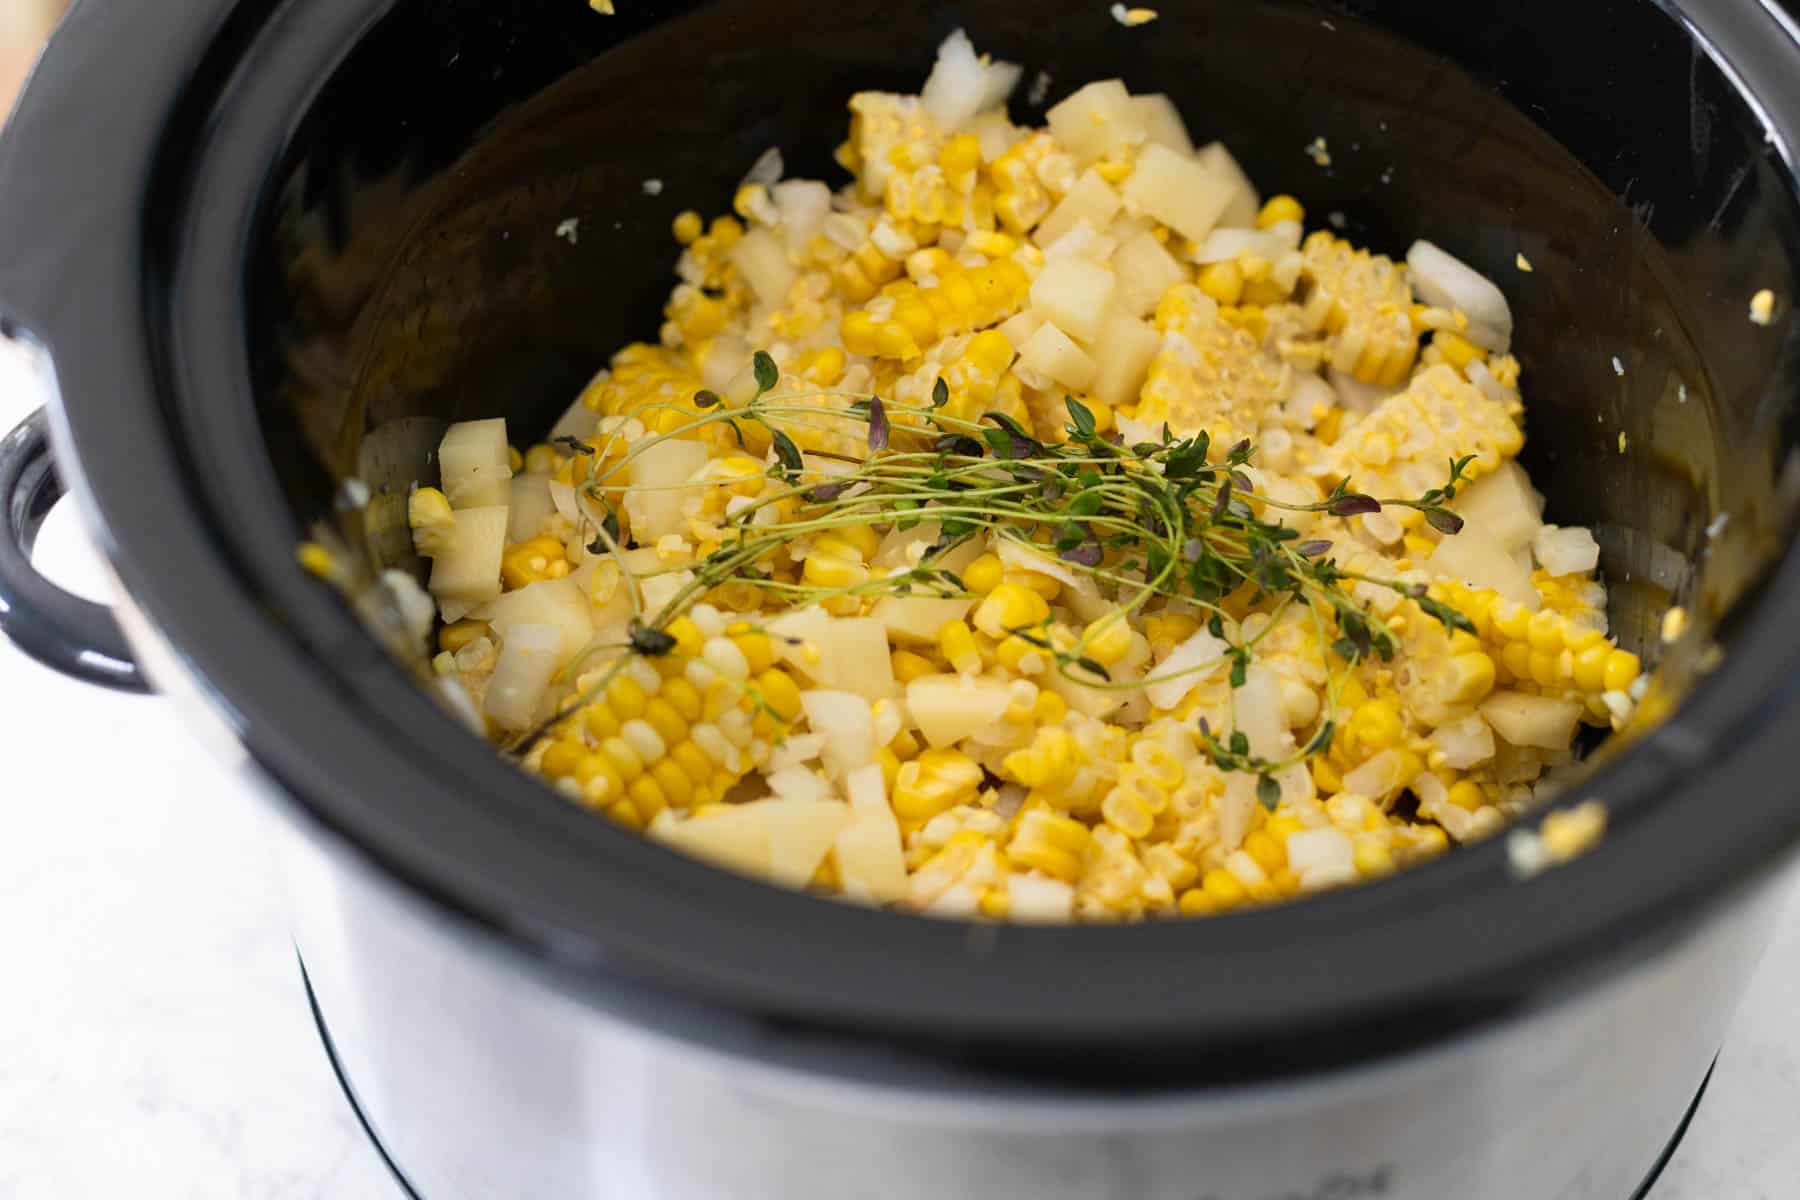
point(1309, 394)
point(1444, 281)
point(961, 84)
point(1185, 663)
point(1565, 551)
point(803, 206)
point(766, 170)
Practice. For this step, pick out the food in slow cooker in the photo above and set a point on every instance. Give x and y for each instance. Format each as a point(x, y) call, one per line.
point(1040, 525)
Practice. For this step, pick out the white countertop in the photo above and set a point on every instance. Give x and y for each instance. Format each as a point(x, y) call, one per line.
point(155, 1042)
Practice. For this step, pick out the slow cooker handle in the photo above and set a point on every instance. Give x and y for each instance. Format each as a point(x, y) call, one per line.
point(60, 630)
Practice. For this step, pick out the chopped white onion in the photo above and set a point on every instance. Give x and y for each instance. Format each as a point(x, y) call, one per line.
point(1188, 665)
point(767, 169)
point(1484, 381)
point(1444, 281)
point(1317, 849)
point(1309, 393)
point(1017, 555)
point(1565, 551)
point(802, 205)
point(1463, 743)
point(1135, 432)
point(962, 83)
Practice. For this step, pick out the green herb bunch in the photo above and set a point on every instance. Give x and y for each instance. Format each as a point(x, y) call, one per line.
point(1169, 519)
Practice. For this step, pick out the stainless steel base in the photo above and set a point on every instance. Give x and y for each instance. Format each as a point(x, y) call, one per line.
point(1643, 1191)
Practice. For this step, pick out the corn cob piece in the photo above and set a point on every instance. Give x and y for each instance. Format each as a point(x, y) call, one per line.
point(959, 301)
point(1553, 653)
point(1403, 447)
point(678, 733)
point(1209, 374)
point(889, 134)
point(1362, 302)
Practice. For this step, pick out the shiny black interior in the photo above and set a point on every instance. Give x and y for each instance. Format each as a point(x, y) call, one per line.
point(412, 267)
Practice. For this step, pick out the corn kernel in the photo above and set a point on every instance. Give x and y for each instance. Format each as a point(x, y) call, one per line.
point(1223, 888)
point(1467, 794)
point(909, 666)
point(1371, 857)
point(1621, 670)
point(1279, 209)
point(1108, 639)
point(1457, 350)
point(957, 644)
point(1222, 281)
point(984, 574)
point(1009, 607)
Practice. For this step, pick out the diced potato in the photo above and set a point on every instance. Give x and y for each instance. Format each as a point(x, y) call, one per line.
point(1030, 900)
point(801, 834)
point(1257, 710)
point(1019, 327)
point(1504, 505)
point(736, 837)
point(1181, 192)
point(531, 507)
point(1092, 200)
point(1245, 203)
point(1144, 270)
point(558, 603)
point(855, 657)
point(474, 464)
point(529, 658)
point(578, 421)
point(867, 789)
point(871, 864)
point(658, 475)
point(1526, 720)
point(1122, 355)
point(848, 724)
point(465, 573)
point(798, 634)
point(1474, 557)
point(949, 708)
point(1073, 294)
point(1052, 353)
point(917, 619)
point(762, 260)
point(1096, 120)
point(776, 839)
point(1162, 122)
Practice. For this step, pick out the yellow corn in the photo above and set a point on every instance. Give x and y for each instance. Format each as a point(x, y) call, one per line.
point(936, 780)
point(1279, 209)
point(1362, 302)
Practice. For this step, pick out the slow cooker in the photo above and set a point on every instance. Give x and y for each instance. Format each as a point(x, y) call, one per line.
point(262, 247)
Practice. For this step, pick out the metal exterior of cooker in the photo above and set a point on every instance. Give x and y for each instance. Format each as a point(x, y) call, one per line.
point(482, 1084)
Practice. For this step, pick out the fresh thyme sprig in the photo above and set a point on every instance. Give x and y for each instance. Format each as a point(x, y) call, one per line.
point(1161, 519)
